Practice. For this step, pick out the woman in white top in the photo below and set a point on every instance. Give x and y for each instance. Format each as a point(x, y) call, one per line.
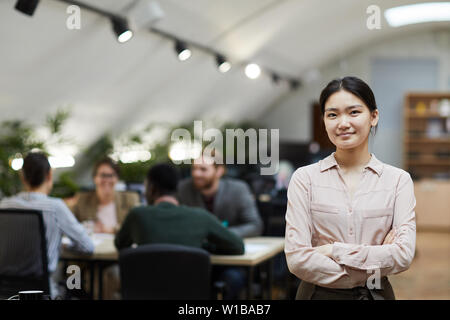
point(350, 219)
point(105, 207)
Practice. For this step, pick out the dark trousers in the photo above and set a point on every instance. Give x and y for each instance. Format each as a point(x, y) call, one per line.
point(309, 291)
point(235, 279)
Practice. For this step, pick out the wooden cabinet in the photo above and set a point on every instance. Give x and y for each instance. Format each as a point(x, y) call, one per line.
point(427, 156)
point(427, 135)
point(432, 204)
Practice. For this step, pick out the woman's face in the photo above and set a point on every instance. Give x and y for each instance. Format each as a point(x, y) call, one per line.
point(348, 120)
point(105, 179)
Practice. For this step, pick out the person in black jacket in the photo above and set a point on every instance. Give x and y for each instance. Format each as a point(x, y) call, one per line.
point(165, 221)
point(231, 201)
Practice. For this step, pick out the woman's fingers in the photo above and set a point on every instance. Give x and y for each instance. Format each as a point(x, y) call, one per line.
point(387, 238)
point(390, 237)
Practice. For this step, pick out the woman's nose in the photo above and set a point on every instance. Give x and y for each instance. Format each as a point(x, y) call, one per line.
point(343, 122)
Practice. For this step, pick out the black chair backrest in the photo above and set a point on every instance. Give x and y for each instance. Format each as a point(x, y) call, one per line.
point(165, 272)
point(23, 252)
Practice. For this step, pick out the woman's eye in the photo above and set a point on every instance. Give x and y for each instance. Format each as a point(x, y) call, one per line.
point(354, 112)
point(331, 115)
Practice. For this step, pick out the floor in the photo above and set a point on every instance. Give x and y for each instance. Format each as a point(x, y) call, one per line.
point(429, 275)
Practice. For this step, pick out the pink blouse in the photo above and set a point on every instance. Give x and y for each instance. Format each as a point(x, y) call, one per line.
point(320, 212)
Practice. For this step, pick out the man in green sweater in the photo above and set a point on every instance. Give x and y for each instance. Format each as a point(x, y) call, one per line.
point(165, 221)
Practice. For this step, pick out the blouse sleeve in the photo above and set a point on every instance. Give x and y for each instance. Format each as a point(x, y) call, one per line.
point(302, 260)
point(390, 258)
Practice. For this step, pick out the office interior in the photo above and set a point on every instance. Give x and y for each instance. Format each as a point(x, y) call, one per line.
point(82, 79)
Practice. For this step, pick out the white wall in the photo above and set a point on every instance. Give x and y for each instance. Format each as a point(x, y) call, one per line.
point(292, 114)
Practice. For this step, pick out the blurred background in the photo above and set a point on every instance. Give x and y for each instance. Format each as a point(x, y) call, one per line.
point(116, 77)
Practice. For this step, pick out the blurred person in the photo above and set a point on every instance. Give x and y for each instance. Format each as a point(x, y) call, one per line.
point(164, 220)
point(284, 175)
point(37, 179)
point(350, 217)
point(105, 207)
point(230, 200)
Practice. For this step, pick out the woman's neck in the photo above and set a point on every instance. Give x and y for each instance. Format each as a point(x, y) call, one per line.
point(105, 198)
point(353, 159)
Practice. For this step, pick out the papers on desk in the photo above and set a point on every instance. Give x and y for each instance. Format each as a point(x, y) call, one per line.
point(254, 247)
point(97, 238)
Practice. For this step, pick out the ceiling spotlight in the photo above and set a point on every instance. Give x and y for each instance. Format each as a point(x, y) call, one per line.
point(252, 71)
point(121, 29)
point(294, 84)
point(276, 78)
point(183, 52)
point(27, 6)
point(222, 63)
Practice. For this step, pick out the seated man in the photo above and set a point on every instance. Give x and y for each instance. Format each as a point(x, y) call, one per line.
point(230, 200)
point(165, 221)
point(58, 219)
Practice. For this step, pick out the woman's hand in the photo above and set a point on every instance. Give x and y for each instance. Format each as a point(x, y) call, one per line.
point(326, 249)
point(98, 227)
point(390, 237)
point(101, 228)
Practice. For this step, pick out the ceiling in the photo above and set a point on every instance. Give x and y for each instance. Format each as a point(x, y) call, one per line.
point(112, 87)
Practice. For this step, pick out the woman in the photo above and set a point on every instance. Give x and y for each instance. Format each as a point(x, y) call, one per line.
point(104, 206)
point(350, 219)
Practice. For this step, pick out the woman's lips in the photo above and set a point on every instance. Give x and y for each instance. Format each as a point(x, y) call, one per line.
point(345, 135)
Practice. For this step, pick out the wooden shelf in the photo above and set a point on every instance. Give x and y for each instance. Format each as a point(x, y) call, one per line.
point(419, 157)
point(428, 95)
point(428, 162)
point(428, 140)
point(427, 115)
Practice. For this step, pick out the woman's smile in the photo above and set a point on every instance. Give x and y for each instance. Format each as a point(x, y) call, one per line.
point(346, 135)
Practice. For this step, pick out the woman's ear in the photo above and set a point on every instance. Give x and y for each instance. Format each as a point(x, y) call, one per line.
point(374, 118)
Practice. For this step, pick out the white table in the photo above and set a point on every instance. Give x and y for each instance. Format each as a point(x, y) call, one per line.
point(258, 250)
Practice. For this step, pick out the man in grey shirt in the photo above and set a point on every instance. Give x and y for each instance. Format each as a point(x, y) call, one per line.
point(230, 200)
point(58, 219)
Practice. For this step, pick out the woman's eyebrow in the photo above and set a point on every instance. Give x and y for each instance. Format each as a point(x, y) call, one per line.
point(349, 107)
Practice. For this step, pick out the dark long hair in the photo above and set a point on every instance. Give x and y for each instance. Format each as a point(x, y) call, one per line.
point(353, 85)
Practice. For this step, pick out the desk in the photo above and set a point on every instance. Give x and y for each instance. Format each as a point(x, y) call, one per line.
point(258, 250)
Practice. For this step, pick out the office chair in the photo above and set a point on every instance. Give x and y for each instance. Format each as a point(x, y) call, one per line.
point(165, 272)
point(23, 252)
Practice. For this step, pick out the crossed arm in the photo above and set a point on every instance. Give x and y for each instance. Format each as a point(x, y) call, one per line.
point(344, 265)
